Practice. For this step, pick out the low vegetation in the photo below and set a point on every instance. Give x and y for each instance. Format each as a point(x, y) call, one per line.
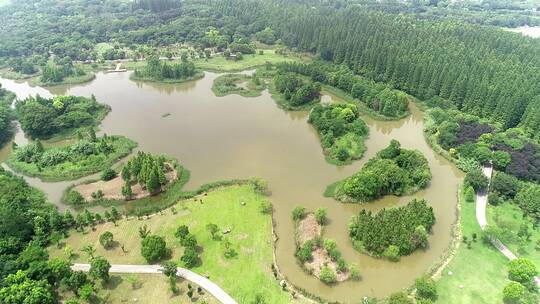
point(342, 131)
point(84, 157)
point(294, 93)
point(393, 170)
point(243, 85)
point(46, 117)
point(379, 235)
point(378, 97)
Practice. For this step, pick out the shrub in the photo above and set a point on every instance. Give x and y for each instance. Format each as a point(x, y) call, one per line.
point(425, 289)
point(108, 174)
point(106, 239)
point(354, 272)
point(304, 252)
point(399, 298)
point(521, 270)
point(392, 253)
point(469, 194)
point(190, 258)
point(327, 275)
point(320, 215)
point(75, 198)
point(298, 213)
point(476, 179)
point(493, 199)
point(513, 293)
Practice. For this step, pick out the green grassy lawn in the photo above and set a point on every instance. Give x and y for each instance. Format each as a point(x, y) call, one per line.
point(146, 289)
point(218, 63)
point(72, 169)
point(243, 277)
point(481, 270)
point(242, 85)
point(509, 217)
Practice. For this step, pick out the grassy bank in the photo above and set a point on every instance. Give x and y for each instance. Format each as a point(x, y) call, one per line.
point(479, 273)
point(73, 168)
point(218, 63)
point(239, 84)
point(236, 208)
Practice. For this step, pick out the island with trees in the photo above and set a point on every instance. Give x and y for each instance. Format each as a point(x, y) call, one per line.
point(393, 170)
point(142, 176)
point(292, 92)
point(341, 130)
point(163, 71)
point(243, 85)
point(316, 255)
point(380, 235)
point(43, 118)
point(87, 155)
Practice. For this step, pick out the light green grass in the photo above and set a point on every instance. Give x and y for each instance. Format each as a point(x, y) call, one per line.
point(242, 277)
point(70, 170)
point(218, 63)
point(231, 84)
point(482, 270)
point(509, 218)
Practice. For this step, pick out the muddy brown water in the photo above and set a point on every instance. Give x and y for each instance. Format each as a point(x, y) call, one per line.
point(236, 137)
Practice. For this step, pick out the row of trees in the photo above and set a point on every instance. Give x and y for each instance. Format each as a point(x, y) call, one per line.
point(482, 71)
point(44, 117)
point(341, 129)
point(393, 232)
point(393, 171)
point(379, 97)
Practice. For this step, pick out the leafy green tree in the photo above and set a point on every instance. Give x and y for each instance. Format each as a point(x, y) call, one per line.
point(99, 268)
point(298, 213)
point(513, 293)
point(477, 180)
point(75, 198)
point(108, 174)
point(304, 252)
point(425, 289)
point(320, 215)
point(153, 248)
point(327, 275)
point(190, 258)
point(169, 269)
point(106, 239)
point(18, 288)
point(392, 253)
point(213, 229)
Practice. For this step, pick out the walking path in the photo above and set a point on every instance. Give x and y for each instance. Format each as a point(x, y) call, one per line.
point(481, 205)
point(203, 282)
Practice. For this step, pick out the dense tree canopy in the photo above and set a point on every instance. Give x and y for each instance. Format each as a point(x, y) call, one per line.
point(395, 226)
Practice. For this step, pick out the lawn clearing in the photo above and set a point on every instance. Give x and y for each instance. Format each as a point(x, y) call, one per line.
point(481, 271)
point(243, 277)
point(218, 63)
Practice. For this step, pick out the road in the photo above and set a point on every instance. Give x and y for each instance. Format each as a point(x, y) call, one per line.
point(203, 282)
point(481, 206)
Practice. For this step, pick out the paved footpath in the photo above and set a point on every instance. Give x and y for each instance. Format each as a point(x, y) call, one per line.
point(203, 282)
point(481, 205)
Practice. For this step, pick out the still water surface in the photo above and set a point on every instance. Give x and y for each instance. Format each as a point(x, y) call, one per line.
point(237, 137)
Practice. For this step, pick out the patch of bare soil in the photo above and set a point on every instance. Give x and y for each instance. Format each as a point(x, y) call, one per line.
point(308, 228)
point(112, 189)
point(320, 259)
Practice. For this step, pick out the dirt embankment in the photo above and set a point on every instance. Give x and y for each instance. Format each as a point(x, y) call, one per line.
point(309, 229)
point(112, 189)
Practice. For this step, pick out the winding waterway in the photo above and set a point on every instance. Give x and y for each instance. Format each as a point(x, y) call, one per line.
point(237, 137)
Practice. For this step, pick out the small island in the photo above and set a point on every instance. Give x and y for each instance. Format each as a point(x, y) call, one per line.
point(291, 92)
point(157, 70)
point(86, 156)
point(317, 256)
point(144, 175)
point(243, 85)
point(393, 170)
point(342, 131)
point(59, 116)
point(393, 232)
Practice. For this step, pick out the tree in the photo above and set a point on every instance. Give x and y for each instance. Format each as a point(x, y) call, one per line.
point(20, 289)
point(89, 250)
point(152, 184)
point(153, 248)
point(320, 216)
point(190, 258)
point(127, 192)
point(420, 237)
point(213, 229)
point(75, 198)
point(513, 293)
point(126, 174)
point(108, 174)
point(169, 269)
point(144, 231)
point(106, 239)
point(304, 252)
point(181, 232)
point(99, 268)
point(392, 253)
point(521, 270)
point(477, 180)
point(425, 289)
